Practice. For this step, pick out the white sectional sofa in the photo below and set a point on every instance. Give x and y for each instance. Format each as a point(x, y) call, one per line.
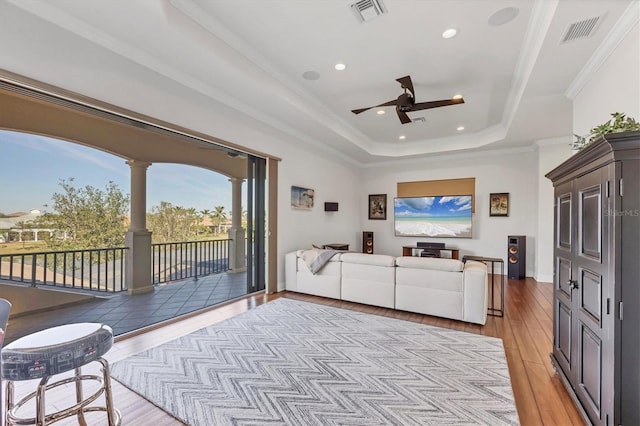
point(442, 287)
point(368, 279)
point(325, 283)
point(445, 288)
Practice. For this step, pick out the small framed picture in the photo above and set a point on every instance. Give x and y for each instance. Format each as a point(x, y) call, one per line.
point(499, 204)
point(302, 198)
point(378, 207)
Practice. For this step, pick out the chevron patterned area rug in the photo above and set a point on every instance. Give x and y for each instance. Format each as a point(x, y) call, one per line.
point(298, 363)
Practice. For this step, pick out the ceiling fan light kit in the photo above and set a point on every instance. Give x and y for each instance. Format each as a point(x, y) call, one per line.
point(406, 102)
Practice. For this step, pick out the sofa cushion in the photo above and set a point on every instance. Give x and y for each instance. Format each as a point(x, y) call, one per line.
point(369, 259)
point(369, 284)
point(449, 265)
point(429, 279)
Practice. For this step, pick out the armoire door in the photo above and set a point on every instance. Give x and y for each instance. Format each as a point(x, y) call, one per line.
point(581, 294)
point(563, 318)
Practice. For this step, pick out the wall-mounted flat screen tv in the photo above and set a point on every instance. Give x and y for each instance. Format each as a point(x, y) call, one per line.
point(438, 216)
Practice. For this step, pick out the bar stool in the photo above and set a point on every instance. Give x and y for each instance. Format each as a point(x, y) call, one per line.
point(53, 351)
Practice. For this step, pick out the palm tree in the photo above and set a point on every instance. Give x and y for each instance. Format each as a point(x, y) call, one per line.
point(218, 216)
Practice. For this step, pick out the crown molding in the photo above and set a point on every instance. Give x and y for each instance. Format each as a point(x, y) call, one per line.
point(625, 24)
point(539, 23)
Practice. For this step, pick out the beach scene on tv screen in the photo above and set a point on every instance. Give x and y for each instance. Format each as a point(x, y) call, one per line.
point(441, 216)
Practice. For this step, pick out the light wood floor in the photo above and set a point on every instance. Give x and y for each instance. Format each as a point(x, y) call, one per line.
point(526, 330)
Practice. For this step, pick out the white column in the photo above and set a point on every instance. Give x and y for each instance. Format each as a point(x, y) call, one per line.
point(138, 239)
point(236, 203)
point(138, 195)
point(236, 233)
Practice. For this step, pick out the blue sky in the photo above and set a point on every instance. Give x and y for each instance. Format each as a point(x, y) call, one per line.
point(31, 168)
point(433, 206)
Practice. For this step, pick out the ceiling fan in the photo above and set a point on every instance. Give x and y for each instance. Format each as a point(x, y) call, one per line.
point(406, 102)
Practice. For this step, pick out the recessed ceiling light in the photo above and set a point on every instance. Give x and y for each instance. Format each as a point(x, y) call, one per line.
point(381, 112)
point(457, 96)
point(460, 128)
point(449, 33)
point(402, 137)
point(311, 75)
point(340, 67)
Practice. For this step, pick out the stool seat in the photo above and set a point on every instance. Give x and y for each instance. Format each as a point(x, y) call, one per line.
point(55, 350)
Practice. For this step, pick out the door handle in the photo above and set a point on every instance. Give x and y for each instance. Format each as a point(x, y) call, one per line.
point(573, 284)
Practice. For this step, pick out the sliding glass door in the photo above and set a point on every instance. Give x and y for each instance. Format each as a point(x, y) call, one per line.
point(256, 224)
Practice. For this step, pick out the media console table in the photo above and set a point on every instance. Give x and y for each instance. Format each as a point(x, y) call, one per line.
point(492, 310)
point(408, 251)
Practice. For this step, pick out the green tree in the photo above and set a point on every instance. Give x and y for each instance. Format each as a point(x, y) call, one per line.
point(25, 235)
point(87, 217)
point(169, 223)
point(218, 216)
point(205, 229)
point(205, 213)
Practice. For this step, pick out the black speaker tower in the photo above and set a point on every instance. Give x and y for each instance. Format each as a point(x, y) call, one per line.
point(517, 255)
point(367, 242)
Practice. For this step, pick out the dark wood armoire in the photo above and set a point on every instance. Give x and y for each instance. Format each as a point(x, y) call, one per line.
point(596, 312)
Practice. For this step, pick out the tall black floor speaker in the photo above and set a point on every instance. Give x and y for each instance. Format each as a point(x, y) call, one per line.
point(517, 247)
point(367, 242)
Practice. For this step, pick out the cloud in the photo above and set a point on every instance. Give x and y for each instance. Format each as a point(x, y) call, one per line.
point(111, 163)
point(417, 203)
point(71, 150)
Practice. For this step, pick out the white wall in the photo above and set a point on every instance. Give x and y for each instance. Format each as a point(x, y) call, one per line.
point(512, 171)
point(549, 157)
point(331, 181)
point(26, 300)
point(614, 87)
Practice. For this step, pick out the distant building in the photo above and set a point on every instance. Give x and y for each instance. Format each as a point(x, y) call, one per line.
point(11, 228)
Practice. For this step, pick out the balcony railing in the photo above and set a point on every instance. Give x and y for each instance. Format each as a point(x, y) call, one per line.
point(104, 269)
point(189, 259)
point(91, 269)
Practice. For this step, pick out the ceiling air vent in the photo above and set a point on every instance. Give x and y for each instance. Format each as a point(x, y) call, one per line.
point(366, 10)
point(581, 29)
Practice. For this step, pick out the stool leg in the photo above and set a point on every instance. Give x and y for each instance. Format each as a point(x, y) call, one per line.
point(106, 377)
point(79, 396)
point(40, 403)
point(9, 401)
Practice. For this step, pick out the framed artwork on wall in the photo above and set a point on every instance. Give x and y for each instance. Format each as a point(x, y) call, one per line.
point(378, 207)
point(499, 204)
point(302, 198)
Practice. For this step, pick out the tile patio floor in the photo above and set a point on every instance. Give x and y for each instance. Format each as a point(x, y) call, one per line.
point(126, 313)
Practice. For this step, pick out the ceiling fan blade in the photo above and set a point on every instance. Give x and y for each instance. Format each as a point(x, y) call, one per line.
point(406, 83)
point(436, 104)
point(404, 118)
point(358, 111)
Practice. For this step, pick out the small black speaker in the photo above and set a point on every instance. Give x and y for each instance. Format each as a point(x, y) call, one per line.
point(430, 245)
point(367, 242)
point(330, 206)
point(517, 255)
